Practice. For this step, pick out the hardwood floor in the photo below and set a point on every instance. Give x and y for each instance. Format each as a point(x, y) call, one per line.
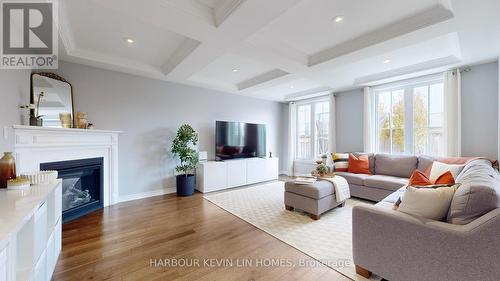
point(121, 242)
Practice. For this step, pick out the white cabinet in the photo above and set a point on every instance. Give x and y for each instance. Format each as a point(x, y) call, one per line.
point(213, 176)
point(236, 173)
point(40, 237)
point(40, 271)
point(58, 239)
point(259, 170)
point(272, 169)
point(31, 225)
point(57, 203)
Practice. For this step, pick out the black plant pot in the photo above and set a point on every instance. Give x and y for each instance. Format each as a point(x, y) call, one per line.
point(185, 185)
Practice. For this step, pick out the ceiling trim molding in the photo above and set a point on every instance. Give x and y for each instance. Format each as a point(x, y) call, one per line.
point(412, 69)
point(224, 9)
point(262, 78)
point(193, 8)
point(183, 51)
point(308, 94)
point(65, 31)
point(428, 17)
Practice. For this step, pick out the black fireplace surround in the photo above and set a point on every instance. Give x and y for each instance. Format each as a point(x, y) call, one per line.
point(82, 186)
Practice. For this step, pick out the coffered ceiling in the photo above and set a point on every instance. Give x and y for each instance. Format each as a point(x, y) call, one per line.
point(280, 49)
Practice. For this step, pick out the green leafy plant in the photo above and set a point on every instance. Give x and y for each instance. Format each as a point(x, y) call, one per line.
point(322, 169)
point(182, 147)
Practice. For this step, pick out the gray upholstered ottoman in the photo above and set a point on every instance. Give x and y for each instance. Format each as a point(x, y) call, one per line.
point(315, 198)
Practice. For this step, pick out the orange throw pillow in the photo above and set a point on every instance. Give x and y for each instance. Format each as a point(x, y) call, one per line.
point(446, 178)
point(420, 179)
point(359, 165)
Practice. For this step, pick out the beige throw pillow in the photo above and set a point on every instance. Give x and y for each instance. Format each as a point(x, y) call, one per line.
point(431, 203)
point(439, 168)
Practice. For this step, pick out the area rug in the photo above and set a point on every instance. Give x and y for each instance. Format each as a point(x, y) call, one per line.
point(327, 240)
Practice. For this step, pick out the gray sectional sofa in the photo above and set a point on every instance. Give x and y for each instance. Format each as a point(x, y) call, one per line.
point(399, 246)
point(389, 173)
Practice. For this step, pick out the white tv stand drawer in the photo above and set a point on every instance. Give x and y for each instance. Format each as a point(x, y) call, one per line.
point(219, 175)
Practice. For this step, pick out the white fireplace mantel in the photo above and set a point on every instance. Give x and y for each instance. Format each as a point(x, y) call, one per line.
point(36, 145)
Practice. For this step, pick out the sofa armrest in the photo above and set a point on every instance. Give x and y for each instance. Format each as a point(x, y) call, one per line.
point(398, 246)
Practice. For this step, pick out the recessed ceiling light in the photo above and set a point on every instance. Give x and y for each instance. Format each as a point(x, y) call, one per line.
point(387, 61)
point(338, 19)
point(235, 70)
point(291, 87)
point(129, 40)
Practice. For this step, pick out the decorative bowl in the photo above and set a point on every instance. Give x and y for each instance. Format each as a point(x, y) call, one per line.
point(40, 177)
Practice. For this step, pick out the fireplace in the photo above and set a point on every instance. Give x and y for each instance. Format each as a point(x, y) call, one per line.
point(82, 186)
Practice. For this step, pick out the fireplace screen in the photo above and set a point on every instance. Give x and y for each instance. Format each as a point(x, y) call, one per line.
point(77, 188)
point(82, 186)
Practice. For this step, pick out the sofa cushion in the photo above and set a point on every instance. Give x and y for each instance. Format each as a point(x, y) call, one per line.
point(431, 203)
point(385, 182)
point(359, 164)
point(420, 179)
point(371, 160)
point(340, 161)
point(394, 197)
point(317, 190)
point(478, 194)
point(395, 165)
point(424, 162)
point(351, 178)
point(438, 168)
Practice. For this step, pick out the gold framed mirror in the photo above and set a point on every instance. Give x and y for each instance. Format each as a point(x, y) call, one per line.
point(52, 96)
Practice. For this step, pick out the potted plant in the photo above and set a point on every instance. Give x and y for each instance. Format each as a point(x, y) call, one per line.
point(324, 157)
point(322, 169)
point(183, 147)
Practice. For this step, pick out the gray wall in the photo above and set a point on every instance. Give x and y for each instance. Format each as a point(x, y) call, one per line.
point(149, 112)
point(480, 111)
point(14, 91)
point(349, 120)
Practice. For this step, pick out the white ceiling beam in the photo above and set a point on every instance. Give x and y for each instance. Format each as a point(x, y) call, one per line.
point(224, 8)
point(432, 64)
point(260, 79)
point(418, 21)
point(248, 19)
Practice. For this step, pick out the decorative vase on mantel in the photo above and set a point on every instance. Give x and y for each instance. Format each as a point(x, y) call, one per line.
point(38, 122)
point(7, 169)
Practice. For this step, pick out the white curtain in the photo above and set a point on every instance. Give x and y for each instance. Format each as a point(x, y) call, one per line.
point(332, 128)
point(292, 134)
point(452, 113)
point(368, 121)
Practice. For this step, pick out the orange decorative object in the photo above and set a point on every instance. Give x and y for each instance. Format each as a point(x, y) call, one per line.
point(420, 179)
point(359, 165)
point(7, 169)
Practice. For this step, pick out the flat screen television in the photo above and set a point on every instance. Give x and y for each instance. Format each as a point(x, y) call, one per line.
point(239, 140)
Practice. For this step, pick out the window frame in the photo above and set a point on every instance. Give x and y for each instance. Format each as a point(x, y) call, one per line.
point(312, 103)
point(408, 87)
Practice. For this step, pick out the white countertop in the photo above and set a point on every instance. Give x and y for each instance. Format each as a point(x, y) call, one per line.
point(17, 207)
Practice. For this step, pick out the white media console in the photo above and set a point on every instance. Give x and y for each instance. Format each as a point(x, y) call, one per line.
point(219, 175)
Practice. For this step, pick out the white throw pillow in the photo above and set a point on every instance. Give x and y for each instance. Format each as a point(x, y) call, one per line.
point(439, 168)
point(431, 203)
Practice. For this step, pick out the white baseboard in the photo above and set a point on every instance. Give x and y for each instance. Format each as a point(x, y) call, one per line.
point(146, 194)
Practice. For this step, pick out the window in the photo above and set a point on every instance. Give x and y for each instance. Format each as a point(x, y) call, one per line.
point(312, 129)
point(410, 118)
